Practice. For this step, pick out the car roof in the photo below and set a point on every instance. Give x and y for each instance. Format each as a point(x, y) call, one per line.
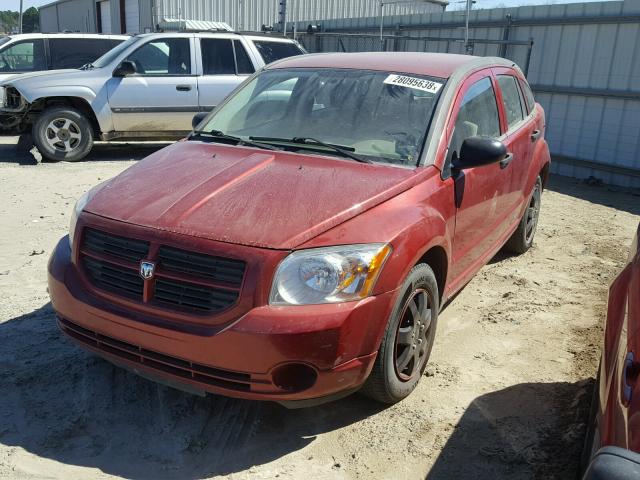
point(442, 65)
point(254, 36)
point(26, 36)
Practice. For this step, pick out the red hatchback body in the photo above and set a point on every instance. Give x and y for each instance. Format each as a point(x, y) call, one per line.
point(616, 409)
point(300, 266)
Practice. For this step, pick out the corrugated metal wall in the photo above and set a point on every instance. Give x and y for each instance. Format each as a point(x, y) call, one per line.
point(252, 14)
point(584, 69)
point(68, 15)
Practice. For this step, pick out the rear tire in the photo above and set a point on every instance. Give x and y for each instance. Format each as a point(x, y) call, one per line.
point(408, 339)
point(63, 133)
point(522, 238)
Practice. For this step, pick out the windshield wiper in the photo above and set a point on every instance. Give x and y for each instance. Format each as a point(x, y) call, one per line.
point(308, 141)
point(223, 136)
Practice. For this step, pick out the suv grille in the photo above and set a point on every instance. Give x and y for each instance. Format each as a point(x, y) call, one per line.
point(182, 280)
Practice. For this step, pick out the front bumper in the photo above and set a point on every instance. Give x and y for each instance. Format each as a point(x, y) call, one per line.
point(283, 354)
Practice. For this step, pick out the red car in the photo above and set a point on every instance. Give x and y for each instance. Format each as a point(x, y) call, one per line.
point(616, 408)
point(299, 244)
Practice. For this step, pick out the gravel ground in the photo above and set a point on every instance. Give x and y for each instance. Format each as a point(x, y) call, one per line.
point(505, 395)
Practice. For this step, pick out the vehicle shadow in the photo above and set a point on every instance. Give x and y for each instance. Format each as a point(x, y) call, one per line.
point(607, 195)
point(529, 430)
point(61, 403)
point(23, 152)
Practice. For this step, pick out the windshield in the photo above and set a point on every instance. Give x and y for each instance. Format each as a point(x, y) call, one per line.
point(114, 53)
point(379, 116)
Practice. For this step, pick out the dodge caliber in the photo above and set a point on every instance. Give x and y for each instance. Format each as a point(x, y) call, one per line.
point(299, 244)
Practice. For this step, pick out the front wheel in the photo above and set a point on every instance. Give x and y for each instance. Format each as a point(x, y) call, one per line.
point(522, 238)
point(408, 339)
point(63, 133)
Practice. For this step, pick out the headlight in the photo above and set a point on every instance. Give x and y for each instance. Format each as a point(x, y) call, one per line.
point(79, 206)
point(328, 275)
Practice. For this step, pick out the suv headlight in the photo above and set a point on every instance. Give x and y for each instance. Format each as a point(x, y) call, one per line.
point(328, 275)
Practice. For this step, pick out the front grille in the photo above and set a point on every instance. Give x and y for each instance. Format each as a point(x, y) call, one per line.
point(156, 360)
point(183, 280)
point(114, 278)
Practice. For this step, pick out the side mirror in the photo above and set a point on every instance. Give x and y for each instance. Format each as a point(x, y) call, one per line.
point(197, 118)
point(125, 69)
point(479, 151)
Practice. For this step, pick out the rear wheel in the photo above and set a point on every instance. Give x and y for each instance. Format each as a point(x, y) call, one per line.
point(408, 339)
point(522, 238)
point(63, 133)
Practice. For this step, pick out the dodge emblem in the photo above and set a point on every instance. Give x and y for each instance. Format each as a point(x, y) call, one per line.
point(146, 269)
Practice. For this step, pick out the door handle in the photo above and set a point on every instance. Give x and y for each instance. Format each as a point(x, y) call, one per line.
point(535, 135)
point(504, 163)
point(183, 88)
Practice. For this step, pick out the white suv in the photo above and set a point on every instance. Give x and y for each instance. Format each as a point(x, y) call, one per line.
point(33, 52)
point(148, 87)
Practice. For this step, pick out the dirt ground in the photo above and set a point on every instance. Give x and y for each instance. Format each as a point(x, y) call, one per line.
point(505, 395)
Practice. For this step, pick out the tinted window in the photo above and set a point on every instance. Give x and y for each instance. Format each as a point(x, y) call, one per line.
point(24, 56)
point(511, 99)
point(272, 51)
point(75, 52)
point(531, 102)
point(163, 57)
point(242, 59)
point(217, 56)
point(478, 115)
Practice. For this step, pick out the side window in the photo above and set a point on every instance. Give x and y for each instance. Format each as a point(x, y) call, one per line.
point(27, 56)
point(478, 115)
point(243, 61)
point(75, 52)
point(511, 99)
point(163, 57)
point(528, 95)
point(217, 56)
point(272, 51)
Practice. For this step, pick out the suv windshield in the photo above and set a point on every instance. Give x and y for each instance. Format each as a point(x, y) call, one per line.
point(272, 51)
point(112, 54)
point(378, 116)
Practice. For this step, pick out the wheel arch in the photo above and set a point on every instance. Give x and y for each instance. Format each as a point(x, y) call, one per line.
point(436, 257)
point(78, 103)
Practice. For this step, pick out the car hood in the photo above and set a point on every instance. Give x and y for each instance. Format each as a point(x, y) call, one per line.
point(51, 77)
point(246, 196)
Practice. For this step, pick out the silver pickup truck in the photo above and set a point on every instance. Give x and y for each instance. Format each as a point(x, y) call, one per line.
point(148, 87)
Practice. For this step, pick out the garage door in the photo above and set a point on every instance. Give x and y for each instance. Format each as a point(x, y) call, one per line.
point(105, 16)
point(132, 16)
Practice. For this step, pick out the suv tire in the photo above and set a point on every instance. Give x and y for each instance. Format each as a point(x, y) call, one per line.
point(522, 238)
point(63, 133)
point(410, 333)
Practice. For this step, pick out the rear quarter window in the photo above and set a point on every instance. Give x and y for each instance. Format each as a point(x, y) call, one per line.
point(272, 51)
point(528, 95)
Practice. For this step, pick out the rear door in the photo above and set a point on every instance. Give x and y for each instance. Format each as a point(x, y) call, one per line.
point(163, 95)
point(223, 64)
point(76, 52)
point(518, 125)
point(481, 192)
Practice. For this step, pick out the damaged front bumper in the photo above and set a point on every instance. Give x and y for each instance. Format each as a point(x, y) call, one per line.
point(14, 111)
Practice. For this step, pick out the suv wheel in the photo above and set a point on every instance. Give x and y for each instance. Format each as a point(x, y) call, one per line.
point(63, 133)
point(408, 339)
point(522, 238)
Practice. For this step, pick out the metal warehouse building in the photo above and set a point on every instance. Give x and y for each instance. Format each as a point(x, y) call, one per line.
point(136, 16)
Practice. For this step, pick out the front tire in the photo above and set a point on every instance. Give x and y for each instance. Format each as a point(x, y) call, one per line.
point(408, 339)
point(63, 133)
point(522, 238)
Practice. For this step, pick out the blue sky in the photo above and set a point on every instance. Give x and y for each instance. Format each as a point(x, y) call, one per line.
point(15, 4)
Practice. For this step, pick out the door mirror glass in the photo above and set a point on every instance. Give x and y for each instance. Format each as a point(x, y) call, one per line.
point(479, 151)
point(198, 118)
point(126, 68)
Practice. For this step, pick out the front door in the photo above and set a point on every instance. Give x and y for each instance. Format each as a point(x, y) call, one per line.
point(481, 192)
point(163, 95)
